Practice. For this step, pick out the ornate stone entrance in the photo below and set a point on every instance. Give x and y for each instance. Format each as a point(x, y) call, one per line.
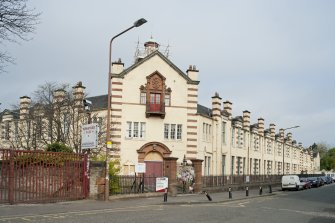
point(151, 150)
point(157, 157)
point(153, 155)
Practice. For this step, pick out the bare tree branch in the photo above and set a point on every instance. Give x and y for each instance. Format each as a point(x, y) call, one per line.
point(17, 21)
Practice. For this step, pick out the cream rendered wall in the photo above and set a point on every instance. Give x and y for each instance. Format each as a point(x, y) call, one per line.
point(226, 146)
point(268, 155)
point(205, 146)
point(215, 148)
point(132, 110)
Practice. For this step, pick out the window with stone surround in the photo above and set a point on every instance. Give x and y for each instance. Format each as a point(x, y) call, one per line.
point(206, 132)
point(143, 97)
point(223, 132)
point(5, 131)
point(135, 130)
point(255, 139)
point(172, 131)
point(269, 146)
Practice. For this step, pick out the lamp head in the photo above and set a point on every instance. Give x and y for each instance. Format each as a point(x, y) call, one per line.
point(140, 22)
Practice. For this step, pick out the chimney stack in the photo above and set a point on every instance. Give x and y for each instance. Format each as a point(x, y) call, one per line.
point(261, 126)
point(117, 67)
point(24, 106)
point(246, 120)
point(59, 96)
point(289, 137)
point(281, 134)
point(216, 105)
point(227, 106)
point(78, 94)
point(272, 130)
point(192, 73)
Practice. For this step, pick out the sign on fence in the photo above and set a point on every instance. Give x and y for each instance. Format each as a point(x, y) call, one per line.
point(161, 183)
point(247, 179)
point(140, 168)
point(89, 136)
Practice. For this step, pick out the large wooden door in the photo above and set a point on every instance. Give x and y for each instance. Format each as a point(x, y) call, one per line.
point(154, 169)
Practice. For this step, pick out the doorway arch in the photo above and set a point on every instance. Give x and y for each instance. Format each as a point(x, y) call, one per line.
point(153, 155)
point(155, 147)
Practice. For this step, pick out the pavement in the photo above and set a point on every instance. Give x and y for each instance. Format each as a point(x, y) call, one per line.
point(22, 211)
point(217, 197)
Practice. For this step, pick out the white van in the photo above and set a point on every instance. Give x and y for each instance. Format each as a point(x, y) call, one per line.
point(291, 182)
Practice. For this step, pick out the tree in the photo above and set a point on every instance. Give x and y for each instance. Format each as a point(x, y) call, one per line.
point(58, 147)
point(56, 114)
point(17, 21)
point(328, 160)
point(327, 155)
point(320, 148)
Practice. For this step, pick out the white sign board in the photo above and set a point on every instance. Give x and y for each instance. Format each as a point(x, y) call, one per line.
point(162, 183)
point(140, 168)
point(247, 179)
point(89, 136)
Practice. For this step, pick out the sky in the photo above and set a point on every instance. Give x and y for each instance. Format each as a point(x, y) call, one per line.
point(274, 58)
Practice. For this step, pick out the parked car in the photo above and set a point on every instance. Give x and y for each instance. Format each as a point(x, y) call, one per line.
point(330, 179)
point(306, 183)
point(315, 181)
point(322, 181)
point(326, 179)
point(291, 182)
point(332, 176)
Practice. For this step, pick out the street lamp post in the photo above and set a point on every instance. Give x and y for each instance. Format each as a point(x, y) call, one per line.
point(297, 126)
point(108, 138)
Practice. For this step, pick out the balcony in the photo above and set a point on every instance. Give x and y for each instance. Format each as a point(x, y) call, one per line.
point(155, 110)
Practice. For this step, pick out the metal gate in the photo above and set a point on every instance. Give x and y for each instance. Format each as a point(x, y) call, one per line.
point(36, 176)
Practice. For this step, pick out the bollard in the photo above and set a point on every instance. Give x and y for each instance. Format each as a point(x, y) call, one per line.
point(270, 189)
point(165, 194)
point(208, 196)
point(260, 190)
point(230, 195)
point(247, 191)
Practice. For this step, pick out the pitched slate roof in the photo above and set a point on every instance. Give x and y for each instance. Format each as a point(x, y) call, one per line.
point(181, 73)
point(99, 102)
point(15, 114)
point(202, 110)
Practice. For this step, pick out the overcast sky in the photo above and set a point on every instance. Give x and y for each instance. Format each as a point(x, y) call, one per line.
point(272, 58)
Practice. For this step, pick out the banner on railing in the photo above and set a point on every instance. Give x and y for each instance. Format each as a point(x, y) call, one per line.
point(161, 183)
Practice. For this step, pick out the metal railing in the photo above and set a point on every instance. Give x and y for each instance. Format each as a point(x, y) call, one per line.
point(131, 184)
point(227, 180)
point(138, 184)
point(36, 176)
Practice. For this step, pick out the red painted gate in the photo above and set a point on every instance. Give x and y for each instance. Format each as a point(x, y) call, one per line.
point(36, 176)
